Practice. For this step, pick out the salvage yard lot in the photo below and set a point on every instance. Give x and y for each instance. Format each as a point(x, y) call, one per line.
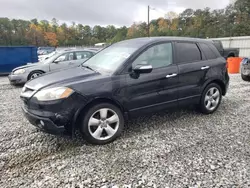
point(169, 149)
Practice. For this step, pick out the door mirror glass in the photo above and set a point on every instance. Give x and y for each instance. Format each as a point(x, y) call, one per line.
point(143, 68)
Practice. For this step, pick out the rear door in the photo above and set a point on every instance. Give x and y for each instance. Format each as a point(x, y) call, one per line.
point(192, 68)
point(216, 63)
point(81, 56)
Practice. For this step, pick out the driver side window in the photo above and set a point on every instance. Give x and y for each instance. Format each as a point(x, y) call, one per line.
point(65, 57)
point(160, 55)
point(61, 58)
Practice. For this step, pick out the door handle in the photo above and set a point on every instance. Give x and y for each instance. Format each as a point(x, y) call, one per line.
point(205, 67)
point(171, 75)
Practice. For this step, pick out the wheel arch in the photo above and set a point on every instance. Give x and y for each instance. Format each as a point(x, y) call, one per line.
point(42, 71)
point(216, 81)
point(81, 111)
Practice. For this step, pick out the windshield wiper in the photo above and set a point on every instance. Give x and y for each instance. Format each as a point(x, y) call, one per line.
point(89, 68)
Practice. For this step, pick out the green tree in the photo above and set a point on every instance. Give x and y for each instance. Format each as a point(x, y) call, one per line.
point(120, 35)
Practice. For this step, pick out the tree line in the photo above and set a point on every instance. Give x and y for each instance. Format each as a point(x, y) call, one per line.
point(234, 20)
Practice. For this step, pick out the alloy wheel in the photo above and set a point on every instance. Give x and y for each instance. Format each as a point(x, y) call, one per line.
point(103, 124)
point(212, 98)
point(35, 75)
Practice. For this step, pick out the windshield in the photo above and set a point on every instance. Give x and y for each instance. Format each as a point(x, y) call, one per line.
point(109, 59)
point(51, 58)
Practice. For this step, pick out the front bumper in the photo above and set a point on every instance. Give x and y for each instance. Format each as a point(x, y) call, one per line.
point(17, 79)
point(54, 117)
point(42, 123)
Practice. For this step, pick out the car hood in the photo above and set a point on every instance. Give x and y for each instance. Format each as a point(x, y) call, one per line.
point(62, 77)
point(26, 66)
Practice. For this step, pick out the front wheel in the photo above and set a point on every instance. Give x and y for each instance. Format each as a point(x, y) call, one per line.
point(35, 74)
point(210, 99)
point(102, 124)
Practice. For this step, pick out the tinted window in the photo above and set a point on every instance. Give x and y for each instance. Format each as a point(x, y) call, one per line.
point(208, 51)
point(187, 52)
point(158, 56)
point(218, 45)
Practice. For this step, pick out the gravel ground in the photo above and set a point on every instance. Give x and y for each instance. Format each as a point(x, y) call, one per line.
point(4, 80)
point(169, 149)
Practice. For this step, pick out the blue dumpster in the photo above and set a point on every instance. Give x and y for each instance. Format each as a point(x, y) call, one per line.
point(12, 57)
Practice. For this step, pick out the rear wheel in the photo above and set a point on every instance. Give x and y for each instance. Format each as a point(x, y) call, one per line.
point(35, 74)
point(211, 98)
point(102, 124)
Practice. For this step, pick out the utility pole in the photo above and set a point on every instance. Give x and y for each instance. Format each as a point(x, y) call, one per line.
point(148, 21)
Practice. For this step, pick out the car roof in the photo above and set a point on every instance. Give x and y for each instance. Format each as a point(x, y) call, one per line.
point(137, 42)
point(75, 50)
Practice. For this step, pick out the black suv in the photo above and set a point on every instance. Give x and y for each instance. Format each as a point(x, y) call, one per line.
point(127, 79)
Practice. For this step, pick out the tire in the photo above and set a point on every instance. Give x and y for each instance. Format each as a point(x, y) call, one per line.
point(245, 78)
point(100, 131)
point(35, 74)
point(210, 99)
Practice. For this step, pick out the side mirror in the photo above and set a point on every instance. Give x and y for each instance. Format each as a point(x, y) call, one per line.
point(59, 59)
point(143, 69)
point(56, 61)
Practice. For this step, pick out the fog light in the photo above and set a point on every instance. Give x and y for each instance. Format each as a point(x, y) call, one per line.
point(42, 123)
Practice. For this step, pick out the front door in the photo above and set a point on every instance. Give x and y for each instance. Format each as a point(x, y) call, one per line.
point(152, 91)
point(63, 61)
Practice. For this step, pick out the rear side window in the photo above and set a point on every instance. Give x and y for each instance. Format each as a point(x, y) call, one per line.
point(208, 51)
point(83, 55)
point(187, 52)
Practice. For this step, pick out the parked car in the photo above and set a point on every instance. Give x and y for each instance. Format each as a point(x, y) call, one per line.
point(60, 60)
point(245, 69)
point(127, 79)
point(226, 52)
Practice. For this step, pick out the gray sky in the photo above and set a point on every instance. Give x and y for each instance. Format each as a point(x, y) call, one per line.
point(101, 12)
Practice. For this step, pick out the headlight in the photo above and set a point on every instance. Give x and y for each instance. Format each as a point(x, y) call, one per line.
point(19, 71)
point(53, 94)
